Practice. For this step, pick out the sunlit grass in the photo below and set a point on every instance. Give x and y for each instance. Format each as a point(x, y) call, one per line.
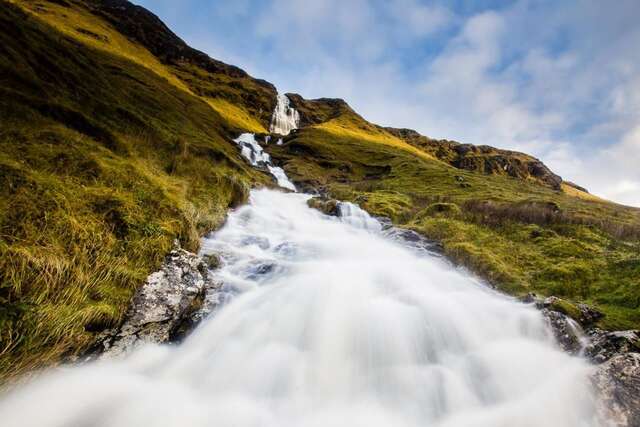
point(97, 181)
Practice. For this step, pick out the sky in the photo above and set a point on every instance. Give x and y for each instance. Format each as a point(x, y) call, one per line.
point(559, 80)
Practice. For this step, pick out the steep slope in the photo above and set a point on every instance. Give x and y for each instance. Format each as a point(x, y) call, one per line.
point(521, 231)
point(108, 155)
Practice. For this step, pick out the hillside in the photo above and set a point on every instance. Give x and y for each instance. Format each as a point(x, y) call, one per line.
point(108, 155)
point(116, 140)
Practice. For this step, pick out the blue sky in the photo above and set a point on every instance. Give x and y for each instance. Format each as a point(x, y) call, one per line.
point(556, 79)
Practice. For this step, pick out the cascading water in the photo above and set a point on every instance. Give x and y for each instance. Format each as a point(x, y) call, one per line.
point(252, 151)
point(327, 324)
point(285, 118)
point(326, 321)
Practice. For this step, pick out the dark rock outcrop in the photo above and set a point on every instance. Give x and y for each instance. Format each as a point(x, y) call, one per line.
point(604, 345)
point(482, 158)
point(615, 354)
point(584, 314)
point(567, 332)
point(166, 308)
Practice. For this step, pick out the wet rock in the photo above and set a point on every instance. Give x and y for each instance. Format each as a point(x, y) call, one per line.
point(164, 308)
point(617, 387)
point(566, 331)
point(531, 298)
point(385, 222)
point(326, 206)
point(605, 345)
point(262, 270)
point(584, 314)
point(261, 242)
point(412, 239)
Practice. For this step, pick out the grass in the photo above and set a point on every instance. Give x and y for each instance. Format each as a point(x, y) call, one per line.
point(236, 116)
point(517, 234)
point(106, 157)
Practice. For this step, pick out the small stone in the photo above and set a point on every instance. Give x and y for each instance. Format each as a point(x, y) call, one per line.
point(212, 261)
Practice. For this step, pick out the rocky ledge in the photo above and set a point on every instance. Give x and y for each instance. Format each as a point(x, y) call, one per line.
point(614, 354)
point(167, 307)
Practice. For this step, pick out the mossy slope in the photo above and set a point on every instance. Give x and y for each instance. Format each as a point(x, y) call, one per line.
point(107, 155)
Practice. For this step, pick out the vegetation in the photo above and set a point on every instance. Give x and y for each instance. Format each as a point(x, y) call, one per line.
point(106, 157)
point(519, 234)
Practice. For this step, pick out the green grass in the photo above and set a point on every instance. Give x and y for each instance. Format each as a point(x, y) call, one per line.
point(519, 235)
point(104, 161)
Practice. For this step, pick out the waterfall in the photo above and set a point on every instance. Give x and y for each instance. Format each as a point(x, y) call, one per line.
point(327, 323)
point(357, 217)
point(254, 153)
point(285, 118)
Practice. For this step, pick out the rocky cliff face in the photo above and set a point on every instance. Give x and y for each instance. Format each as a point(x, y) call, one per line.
point(482, 158)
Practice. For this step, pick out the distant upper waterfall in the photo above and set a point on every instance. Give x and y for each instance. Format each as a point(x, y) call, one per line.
point(285, 118)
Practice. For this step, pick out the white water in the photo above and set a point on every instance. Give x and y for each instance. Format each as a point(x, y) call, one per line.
point(285, 118)
point(252, 151)
point(328, 325)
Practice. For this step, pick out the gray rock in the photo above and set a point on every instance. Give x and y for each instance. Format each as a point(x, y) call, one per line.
point(617, 387)
point(414, 240)
point(165, 308)
point(385, 222)
point(584, 314)
point(604, 345)
point(567, 332)
point(589, 315)
point(532, 298)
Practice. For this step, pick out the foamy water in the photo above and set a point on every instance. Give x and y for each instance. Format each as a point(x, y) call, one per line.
point(327, 323)
point(285, 118)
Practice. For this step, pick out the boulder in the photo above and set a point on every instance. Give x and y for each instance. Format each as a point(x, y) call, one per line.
point(165, 308)
point(585, 315)
point(326, 206)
